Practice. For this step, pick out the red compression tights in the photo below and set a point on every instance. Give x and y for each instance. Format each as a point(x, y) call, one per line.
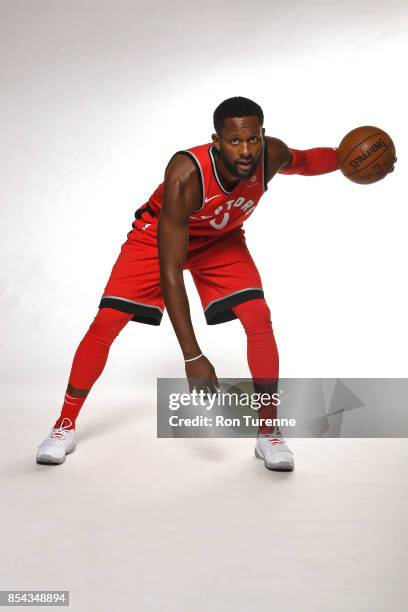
point(90, 359)
point(262, 353)
point(92, 354)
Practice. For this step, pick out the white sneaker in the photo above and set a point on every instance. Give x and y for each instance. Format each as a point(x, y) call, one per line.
point(273, 450)
point(60, 442)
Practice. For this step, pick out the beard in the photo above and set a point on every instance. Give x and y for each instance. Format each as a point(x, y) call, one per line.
point(232, 168)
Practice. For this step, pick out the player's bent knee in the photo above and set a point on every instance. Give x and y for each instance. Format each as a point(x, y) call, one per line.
point(254, 315)
point(108, 323)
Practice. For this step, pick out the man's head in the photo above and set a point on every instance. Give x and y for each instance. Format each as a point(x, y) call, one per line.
point(239, 135)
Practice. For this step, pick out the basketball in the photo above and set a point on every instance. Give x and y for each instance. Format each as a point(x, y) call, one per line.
point(366, 155)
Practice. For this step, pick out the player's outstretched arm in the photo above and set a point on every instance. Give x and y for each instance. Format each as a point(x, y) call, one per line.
point(308, 162)
point(181, 196)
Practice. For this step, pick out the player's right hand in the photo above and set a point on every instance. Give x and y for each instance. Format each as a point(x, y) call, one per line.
point(201, 376)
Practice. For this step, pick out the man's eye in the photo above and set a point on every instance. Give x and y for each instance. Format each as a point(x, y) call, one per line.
point(234, 141)
point(254, 139)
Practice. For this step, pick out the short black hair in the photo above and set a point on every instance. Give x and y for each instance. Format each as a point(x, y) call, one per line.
point(236, 107)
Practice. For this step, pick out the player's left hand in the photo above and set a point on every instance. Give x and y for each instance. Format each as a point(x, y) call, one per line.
point(393, 166)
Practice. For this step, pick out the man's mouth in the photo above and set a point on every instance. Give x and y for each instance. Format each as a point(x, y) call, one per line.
point(245, 165)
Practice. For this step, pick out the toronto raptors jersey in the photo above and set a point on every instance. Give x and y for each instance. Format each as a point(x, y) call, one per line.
point(221, 211)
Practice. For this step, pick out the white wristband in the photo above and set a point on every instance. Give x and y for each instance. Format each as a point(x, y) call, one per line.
point(193, 359)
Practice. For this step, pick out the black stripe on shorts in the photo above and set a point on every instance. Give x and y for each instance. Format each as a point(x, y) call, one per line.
point(143, 313)
point(219, 311)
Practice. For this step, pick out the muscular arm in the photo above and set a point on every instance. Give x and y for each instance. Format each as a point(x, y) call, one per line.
point(310, 162)
point(181, 197)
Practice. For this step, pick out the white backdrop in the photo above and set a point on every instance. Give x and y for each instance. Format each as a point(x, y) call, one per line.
point(97, 95)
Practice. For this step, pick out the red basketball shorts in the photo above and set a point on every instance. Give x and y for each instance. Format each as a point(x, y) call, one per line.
point(222, 269)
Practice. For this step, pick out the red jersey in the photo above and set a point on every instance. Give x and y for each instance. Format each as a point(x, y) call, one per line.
point(221, 211)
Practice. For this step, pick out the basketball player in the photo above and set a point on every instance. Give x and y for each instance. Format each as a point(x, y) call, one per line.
point(193, 221)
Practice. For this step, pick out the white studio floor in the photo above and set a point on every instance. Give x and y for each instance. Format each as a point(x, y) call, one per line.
point(132, 522)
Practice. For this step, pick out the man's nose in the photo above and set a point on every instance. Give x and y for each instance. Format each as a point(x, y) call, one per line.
point(244, 151)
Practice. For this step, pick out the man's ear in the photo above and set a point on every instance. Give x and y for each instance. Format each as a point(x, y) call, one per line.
point(263, 132)
point(216, 141)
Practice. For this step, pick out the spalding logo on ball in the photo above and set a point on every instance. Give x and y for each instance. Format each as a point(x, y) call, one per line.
point(366, 155)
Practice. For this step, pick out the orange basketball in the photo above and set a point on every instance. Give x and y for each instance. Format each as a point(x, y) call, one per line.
point(366, 154)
